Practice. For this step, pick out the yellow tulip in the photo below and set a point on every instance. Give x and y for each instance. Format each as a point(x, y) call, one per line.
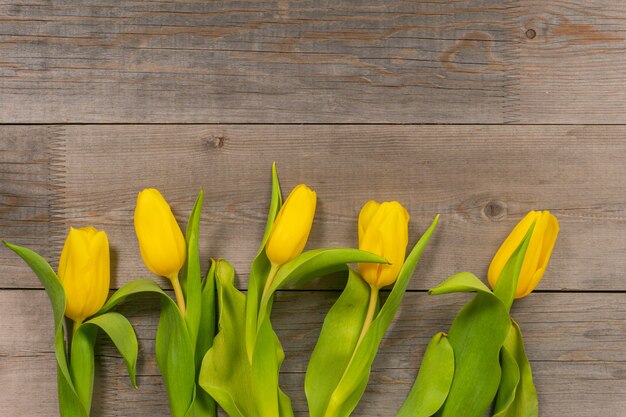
point(542, 240)
point(292, 226)
point(84, 272)
point(161, 241)
point(383, 230)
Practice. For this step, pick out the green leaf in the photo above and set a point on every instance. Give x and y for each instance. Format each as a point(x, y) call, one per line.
point(506, 286)
point(508, 382)
point(461, 282)
point(191, 280)
point(336, 343)
point(260, 268)
point(205, 405)
point(82, 363)
point(476, 336)
point(174, 350)
point(276, 202)
point(517, 397)
point(242, 387)
point(121, 333)
point(174, 353)
point(433, 381)
point(284, 404)
point(137, 286)
point(344, 378)
point(70, 404)
point(312, 263)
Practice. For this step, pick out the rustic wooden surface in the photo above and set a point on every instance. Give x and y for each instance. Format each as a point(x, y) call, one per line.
point(478, 110)
point(481, 61)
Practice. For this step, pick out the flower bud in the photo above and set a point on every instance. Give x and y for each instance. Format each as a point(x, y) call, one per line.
point(384, 231)
point(161, 241)
point(84, 272)
point(292, 226)
point(545, 229)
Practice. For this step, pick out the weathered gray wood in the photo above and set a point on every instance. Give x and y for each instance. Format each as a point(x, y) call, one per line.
point(29, 165)
point(575, 343)
point(480, 61)
point(481, 179)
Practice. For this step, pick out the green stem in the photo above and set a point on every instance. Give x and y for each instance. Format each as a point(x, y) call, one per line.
point(369, 317)
point(75, 325)
point(270, 279)
point(266, 296)
point(178, 291)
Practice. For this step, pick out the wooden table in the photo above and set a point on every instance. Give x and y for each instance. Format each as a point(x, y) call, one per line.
point(478, 110)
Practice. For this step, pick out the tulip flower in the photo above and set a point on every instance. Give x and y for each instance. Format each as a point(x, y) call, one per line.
point(383, 230)
point(545, 229)
point(291, 228)
point(160, 239)
point(84, 272)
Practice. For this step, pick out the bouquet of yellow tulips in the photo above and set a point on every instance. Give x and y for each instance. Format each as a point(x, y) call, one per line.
point(216, 345)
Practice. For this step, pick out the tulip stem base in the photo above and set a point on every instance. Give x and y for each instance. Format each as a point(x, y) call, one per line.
point(369, 317)
point(266, 296)
point(178, 291)
point(75, 325)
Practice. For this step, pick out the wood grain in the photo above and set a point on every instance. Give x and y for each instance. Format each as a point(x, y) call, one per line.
point(29, 163)
point(482, 179)
point(575, 343)
point(287, 61)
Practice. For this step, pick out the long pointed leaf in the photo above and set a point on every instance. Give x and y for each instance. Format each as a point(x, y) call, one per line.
point(516, 398)
point(205, 405)
point(82, 363)
point(476, 336)
point(191, 280)
point(174, 354)
point(137, 286)
point(433, 381)
point(121, 333)
point(260, 268)
point(69, 402)
point(336, 343)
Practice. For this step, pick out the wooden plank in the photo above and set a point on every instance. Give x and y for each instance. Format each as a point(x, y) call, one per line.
point(482, 179)
point(570, 62)
point(478, 61)
point(29, 163)
point(573, 341)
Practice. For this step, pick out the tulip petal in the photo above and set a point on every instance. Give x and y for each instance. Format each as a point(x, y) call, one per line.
point(292, 226)
point(383, 230)
point(161, 241)
point(533, 253)
point(510, 244)
point(549, 239)
point(84, 272)
point(365, 217)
